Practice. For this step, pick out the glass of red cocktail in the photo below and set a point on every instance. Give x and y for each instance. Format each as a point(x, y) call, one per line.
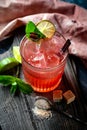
point(43, 64)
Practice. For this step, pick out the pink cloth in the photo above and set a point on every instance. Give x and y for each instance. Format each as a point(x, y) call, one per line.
point(69, 19)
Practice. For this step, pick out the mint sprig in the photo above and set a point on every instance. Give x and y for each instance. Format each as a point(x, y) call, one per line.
point(15, 84)
point(33, 32)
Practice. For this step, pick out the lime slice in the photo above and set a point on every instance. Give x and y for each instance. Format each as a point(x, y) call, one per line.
point(16, 53)
point(47, 28)
point(8, 63)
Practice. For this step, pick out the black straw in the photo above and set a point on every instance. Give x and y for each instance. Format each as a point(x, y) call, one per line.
point(66, 45)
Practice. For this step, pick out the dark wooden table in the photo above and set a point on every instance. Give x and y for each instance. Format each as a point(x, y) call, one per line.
point(16, 111)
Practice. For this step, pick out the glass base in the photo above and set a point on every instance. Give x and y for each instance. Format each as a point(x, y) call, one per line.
point(39, 89)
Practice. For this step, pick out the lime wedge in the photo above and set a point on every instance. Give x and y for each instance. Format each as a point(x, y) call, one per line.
point(16, 53)
point(8, 63)
point(47, 28)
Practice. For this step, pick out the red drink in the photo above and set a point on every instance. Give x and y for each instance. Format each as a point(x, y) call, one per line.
point(42, 66)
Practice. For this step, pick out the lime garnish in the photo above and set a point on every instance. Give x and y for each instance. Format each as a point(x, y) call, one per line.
point(16, 53)
point(8, 63)
point(47, 28)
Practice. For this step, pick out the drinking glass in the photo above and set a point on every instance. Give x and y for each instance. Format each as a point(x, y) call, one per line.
point(42, 63)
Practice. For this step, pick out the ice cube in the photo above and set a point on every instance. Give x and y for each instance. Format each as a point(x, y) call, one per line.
point(37, 60)
point(52, 59)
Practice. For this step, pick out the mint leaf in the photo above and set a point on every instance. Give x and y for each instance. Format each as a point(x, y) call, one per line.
point(6, 80)
point(33, 32)
point(13, 88)
point(23, 87)
point(15, 83)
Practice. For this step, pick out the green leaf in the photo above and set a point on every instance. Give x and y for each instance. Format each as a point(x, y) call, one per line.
point(6, 80)
point(24, 87)
point(32, 29)
point(15, 83)
point(13, 88)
